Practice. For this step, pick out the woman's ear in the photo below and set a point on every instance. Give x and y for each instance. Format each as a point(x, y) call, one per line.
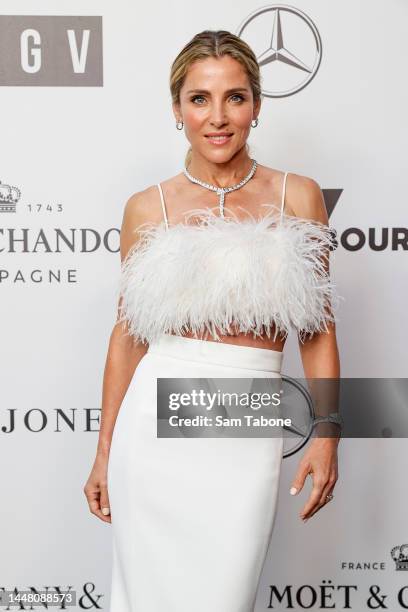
point(257, 107)
point(176, 111)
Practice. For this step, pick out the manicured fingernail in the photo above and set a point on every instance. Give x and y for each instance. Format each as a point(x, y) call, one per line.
point(105, 511)
point(293, 491)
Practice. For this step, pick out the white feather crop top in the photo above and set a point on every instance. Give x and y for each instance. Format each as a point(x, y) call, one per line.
point(252, 274)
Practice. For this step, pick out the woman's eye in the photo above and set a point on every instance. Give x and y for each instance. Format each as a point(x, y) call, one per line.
point(239, 96)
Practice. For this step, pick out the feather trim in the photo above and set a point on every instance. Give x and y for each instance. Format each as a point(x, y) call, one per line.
point(206, 276)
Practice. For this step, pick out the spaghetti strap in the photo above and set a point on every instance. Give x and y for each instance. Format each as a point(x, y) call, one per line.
point(163, 205)
point(283, 194)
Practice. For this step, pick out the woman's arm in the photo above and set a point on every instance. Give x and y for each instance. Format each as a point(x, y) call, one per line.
point(124, 354)
point(122, 359)
point(320, 359)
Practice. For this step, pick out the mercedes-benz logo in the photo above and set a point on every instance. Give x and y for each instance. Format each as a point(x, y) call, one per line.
point(287, 45)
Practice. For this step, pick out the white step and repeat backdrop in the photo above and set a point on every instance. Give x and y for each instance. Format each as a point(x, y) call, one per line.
point(86, 122)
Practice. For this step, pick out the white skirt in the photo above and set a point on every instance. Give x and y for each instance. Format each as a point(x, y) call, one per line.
point(191, 517)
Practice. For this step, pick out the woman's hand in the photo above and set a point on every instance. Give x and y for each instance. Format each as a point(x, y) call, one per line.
point(96, 488)
point(320, 460)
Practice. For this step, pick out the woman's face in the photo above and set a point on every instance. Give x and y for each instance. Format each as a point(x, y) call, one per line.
point(216, 99)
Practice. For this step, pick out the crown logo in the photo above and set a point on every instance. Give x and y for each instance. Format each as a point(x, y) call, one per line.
point(9, 196)
point(400, 556)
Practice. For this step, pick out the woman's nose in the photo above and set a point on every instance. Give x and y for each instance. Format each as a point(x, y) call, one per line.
point(218, 119)
point(218, 115)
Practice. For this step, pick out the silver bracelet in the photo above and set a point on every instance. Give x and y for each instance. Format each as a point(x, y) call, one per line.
point(333, 417)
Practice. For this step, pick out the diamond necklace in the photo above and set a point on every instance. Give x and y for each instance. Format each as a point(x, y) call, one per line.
point(223, 190)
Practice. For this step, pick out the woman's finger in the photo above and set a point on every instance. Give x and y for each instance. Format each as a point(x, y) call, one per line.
point(319, 506)
point(300, 477)
point(319, 483)
point(93, 498)
point(328, 490)
point(104, 501)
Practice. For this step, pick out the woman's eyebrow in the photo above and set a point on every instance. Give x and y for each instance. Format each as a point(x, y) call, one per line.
point(205, 91)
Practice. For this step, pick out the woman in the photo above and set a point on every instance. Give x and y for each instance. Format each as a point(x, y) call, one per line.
point(211, 283)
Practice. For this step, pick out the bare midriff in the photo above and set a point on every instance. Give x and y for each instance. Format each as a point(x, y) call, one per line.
point(243, 339)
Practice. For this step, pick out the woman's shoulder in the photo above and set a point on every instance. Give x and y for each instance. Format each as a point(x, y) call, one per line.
point(303, 195)
point(139, 206)
point(306, 198)
point(145, 206)
point(142, 207)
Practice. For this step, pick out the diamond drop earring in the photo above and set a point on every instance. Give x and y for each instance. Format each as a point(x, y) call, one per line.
point(254, 122)
point(179, 125)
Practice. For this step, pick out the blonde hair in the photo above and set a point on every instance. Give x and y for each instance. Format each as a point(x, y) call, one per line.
point(210, 43)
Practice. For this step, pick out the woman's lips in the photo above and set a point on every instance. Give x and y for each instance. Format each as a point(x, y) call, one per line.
point(219, 140)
